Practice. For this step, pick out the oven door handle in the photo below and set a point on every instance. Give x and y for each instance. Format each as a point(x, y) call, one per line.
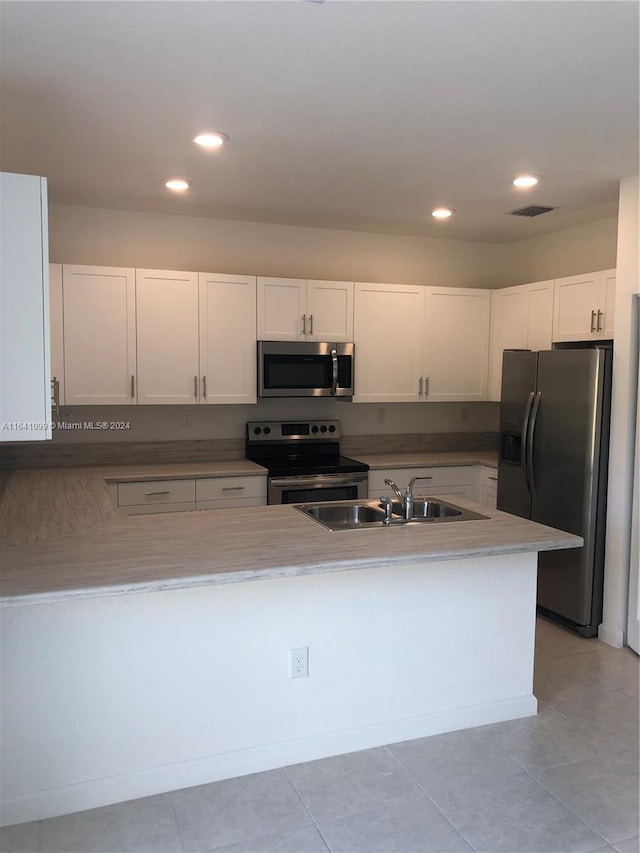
point(319, 480)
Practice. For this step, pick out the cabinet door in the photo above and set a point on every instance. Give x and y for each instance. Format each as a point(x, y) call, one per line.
point(330, 311)
point(99, 335)
point(57, 339)
point(456, 344)
point(609, 303)
point(25, 386)
point(576, 303)
point(282, 311)
point(388, 335)
point(227, 307)
point(488, 486)
point(508, 331)
point(167, 322)
point(539, 315)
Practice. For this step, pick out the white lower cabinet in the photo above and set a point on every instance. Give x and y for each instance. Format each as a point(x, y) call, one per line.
point(148, 496)
point(223, 492)
point(488, 486)
point(156, 496)
point(442, 480)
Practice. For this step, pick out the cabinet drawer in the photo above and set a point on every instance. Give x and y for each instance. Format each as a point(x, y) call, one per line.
point(155, 492)
point(143, 509)
point(221, 488)
point(437, 477)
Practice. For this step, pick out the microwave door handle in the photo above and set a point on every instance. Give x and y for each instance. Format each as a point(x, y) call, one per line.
point(334, 372)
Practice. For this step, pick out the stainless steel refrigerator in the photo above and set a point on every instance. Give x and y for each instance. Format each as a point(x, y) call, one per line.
point(554, 445)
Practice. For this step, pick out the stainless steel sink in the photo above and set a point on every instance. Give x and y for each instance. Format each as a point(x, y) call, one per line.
point(356, 515)
point(428, 509)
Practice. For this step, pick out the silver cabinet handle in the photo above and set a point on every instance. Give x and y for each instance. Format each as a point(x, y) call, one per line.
point(204, 387)
point(593, 321)
point(195, 387)
point(599, 323)
point(420, 387)
point(426, 386)
point(164, 492)
point(334, 372)
point(132, 392)
point(310, 324)
point(55, 387)
point(232, 488)
point(493, 478)
point(304, 324)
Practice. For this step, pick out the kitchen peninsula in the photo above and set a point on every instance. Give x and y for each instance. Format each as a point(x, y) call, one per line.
point(137, 657)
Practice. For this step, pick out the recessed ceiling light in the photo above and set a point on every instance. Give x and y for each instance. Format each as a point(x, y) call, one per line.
point(525, 181)
point(442, 212)
point(211, 139)
point(178, 185)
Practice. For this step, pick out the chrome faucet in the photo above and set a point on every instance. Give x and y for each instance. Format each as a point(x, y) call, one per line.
point(406, 500)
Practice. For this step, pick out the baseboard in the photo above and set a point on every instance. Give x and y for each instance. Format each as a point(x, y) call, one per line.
point(611, 636)
point(157, 780)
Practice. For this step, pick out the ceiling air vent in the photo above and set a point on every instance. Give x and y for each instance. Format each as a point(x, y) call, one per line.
point(531, 210)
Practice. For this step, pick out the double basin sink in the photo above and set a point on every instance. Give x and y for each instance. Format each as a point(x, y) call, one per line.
point(354, 515)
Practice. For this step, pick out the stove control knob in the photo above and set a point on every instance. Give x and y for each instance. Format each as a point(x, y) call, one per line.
point(257, 431)
point(332, 428)
point(267, 430)
point(314, 429)
point(323, 428)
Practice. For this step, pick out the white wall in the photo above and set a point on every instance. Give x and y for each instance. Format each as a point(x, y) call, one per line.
point(572, 251)
point(621, 454)
point(85, 235)
point(163, 423)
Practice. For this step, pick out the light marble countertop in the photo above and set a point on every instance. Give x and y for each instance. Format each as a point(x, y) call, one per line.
point(376, 461)
point(63, 536)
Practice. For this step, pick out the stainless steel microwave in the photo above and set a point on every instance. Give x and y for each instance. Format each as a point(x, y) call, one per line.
point(305, 369)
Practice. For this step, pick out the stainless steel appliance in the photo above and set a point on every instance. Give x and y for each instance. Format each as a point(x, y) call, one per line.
point(554, 444)
point(304, 462)
point(305, 369)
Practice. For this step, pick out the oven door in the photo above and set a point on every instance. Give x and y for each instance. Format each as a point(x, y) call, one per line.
point(309, 488)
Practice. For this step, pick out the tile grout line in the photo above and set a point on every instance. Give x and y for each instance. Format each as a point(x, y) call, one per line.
point(307, 809)
point(426, 793)
point(176, 821)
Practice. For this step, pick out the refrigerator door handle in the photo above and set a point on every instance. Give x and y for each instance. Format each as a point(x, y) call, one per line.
point(534, 415)
point(523, 440)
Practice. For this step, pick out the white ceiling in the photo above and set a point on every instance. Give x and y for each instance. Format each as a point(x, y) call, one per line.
point(353, 115)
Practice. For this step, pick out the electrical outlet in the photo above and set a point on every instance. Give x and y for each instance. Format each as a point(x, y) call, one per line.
point(380, 416)
point(299, 662)
point(464, 414)
point(185, 418)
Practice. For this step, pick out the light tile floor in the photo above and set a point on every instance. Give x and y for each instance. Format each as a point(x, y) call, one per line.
point(564, 781)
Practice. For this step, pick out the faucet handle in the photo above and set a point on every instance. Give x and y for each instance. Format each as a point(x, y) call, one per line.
point(387, 503)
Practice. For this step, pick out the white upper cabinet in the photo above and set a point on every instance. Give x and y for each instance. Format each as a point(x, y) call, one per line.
point(227, 308)
point(456, 346)
point(25, 387)
point(389, 343)
point(99, 335)
point(56, 338)
point(521, 318)
point(329, 311)
point(584, 307)
point(420, 344)
point(292, 309)
point(167, 347)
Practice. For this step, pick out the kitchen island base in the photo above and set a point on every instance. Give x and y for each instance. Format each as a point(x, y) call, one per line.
point(112, 698)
